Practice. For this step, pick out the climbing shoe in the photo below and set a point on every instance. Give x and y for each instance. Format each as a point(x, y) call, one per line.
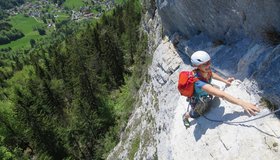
point(186, 122)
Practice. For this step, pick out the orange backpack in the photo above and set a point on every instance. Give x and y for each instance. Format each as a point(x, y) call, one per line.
point(186, 83)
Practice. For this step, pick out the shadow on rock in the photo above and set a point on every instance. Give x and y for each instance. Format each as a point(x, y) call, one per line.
point(217, 113)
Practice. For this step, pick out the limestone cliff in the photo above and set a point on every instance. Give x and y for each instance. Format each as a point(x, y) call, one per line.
point(230, 32)
point(244, 25)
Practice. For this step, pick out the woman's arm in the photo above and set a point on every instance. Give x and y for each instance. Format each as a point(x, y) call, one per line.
point(248, 107)
point(217, 77)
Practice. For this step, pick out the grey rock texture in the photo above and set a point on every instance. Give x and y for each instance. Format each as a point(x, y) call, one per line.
point(238, 28)
point(243, 59)
point(230, 20)
point(232, 32)
point(151, 24)
point(157, 129)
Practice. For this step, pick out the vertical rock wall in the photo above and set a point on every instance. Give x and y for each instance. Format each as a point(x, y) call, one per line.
point(245, 27)
point(232, 32)
point(230, 20)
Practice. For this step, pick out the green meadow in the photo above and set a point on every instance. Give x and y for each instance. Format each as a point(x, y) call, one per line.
point(119, 1)
point(25, 25)
point(73, 4)
point(61, 16)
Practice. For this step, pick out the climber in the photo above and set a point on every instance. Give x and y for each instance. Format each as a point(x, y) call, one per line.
point(204, 91)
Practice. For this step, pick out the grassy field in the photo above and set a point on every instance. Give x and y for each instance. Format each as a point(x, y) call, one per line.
point(119, 1)
point(73, 4)
point(62, 16)
point(25, 25)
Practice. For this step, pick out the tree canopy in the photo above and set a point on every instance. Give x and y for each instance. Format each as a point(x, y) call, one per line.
point(56, 98)
point(7, 4)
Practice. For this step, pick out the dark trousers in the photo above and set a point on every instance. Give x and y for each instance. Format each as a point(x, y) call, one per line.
point(200, 105)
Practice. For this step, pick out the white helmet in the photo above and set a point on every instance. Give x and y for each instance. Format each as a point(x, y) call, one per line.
point(199, 57)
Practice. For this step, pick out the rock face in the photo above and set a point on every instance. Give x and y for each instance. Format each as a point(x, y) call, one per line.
point(240, 25)
point(243, 59)
point(230, 20)
point(155, 129)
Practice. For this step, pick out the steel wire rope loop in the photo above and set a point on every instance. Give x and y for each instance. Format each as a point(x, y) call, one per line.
point(236, 122)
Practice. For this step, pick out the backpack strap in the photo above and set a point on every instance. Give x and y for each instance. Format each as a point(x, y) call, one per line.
point(194, 77)
point(200, 77)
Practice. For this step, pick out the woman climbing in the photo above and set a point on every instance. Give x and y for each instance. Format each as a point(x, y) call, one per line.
point(204, 91)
